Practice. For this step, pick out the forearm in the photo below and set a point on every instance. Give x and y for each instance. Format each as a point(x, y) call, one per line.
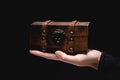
point(109, 67)
point(108, 63)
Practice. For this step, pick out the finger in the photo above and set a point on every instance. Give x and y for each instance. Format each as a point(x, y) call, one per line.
point(44, 55)
point(78, 60)
point(64, 57)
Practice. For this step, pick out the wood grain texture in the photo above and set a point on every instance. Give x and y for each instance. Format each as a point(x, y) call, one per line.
point(75, 39)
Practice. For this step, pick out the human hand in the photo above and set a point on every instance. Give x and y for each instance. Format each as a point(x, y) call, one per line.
point(90, 59)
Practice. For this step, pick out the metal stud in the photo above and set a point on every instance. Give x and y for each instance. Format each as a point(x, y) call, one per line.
point(71, 39)
point(43, 38)
point(43, 31)
point(71, 32)
point(71, 49)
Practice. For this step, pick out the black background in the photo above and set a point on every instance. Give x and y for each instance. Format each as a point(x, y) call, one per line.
point(103, 36)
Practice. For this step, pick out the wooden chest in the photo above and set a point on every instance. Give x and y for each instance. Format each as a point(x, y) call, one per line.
point(49, 36)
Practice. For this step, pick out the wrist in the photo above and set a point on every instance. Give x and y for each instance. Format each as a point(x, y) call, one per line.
point(96, 58)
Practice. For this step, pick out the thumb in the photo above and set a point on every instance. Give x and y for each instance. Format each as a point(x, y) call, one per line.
point(64, 57)
point(61, 55)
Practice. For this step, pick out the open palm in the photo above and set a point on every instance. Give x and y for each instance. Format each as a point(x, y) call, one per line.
point(90, 59)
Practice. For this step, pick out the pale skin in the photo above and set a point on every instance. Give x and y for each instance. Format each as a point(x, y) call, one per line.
point(90, 59)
